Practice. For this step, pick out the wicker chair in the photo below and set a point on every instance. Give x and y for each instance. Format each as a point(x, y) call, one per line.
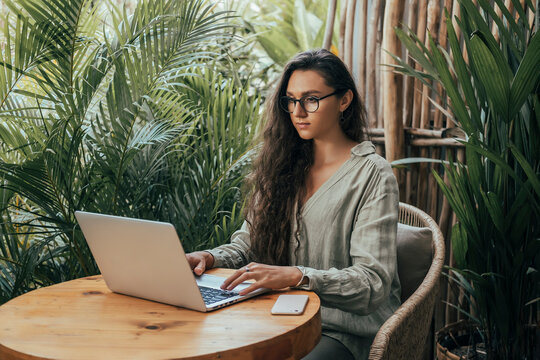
point(404, 334)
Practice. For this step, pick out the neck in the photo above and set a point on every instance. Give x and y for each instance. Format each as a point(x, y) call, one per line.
point(331, 150)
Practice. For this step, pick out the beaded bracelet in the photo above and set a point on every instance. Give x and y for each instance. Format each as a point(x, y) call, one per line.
point(303, 270)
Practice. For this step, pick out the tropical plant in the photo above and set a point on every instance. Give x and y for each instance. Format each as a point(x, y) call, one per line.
point(274, 31)
point(291, 26)
point(493, 95)
point(115, 113)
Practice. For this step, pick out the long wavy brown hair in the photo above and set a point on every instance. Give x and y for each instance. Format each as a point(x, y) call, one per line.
point(279, 173)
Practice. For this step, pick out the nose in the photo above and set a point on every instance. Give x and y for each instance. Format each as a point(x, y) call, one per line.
point(299, 110)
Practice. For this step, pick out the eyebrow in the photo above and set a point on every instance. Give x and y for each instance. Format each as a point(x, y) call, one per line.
point(308, 92)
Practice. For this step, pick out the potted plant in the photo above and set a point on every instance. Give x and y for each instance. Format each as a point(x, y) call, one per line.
point(493, 95)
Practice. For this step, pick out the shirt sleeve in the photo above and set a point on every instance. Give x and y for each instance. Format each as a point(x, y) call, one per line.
point(363, 286)
point(236, 254)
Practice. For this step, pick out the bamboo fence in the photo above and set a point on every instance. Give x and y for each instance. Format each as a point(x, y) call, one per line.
point(405, 118)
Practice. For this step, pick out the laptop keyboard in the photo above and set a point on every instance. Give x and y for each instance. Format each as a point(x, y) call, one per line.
point(211, 295)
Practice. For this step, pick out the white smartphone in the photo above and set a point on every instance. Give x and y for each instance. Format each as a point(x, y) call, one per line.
point(290, 305)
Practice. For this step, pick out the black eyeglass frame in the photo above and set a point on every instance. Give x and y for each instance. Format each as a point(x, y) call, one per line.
point(301, 101)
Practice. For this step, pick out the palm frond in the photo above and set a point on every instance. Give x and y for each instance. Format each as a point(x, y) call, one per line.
point(128, 117)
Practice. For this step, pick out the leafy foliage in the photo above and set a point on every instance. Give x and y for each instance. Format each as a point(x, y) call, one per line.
point(291, 27)
point(273, 32)
point(494, 97)
point(126, 115)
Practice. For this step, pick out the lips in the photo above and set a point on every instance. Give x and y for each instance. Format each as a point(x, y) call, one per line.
point(302, 125)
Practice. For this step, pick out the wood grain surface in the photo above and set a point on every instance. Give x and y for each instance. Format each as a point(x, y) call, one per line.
point(83, 319)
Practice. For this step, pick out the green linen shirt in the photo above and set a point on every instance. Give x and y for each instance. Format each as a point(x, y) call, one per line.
point(347, 244)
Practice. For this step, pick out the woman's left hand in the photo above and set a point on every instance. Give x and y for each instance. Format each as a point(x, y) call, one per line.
point(265, 276)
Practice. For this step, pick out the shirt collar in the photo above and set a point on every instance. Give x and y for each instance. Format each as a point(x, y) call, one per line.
point(363, 149)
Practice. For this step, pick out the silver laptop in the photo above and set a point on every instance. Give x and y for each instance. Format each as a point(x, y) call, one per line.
point(145, 259)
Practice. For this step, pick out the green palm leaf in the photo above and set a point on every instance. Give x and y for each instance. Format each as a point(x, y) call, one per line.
point(527, 76)
point(107, 125)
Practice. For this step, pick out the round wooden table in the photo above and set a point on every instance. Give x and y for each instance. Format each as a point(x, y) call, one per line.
point(83, 319)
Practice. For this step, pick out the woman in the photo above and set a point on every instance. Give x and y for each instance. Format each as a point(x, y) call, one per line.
point(324, 208)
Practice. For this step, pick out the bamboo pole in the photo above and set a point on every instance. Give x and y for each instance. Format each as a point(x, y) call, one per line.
point(537, 21)
point(376, 132)
point(435, 198)
point(349, 34)
point(410, 193)
point(509, 5)
point(412, 131)
point(421, 33)
point(409, 92)
point(445, 211)
point(443, 42)
point(444, 314)
point(361, 41)
point(433, 16)
point(465, 53)
point(433, 187)
point(451, 298)
point(436, 142)
point(379, 82)
point(494, 28)
point(371, 66)
point(393, 85)
point(329, 30)
point(428, 137)
point(379, 149)
point(456, 14)
point(378, 140)
point(342, 23)
point(425, 192)
point(425, 132)
point(444, 224)
point(423, 142)
point(417, 23)
point(378, 60)
point(421, 198)
point(532, 15)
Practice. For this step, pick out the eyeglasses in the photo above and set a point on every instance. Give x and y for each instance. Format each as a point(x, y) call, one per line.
point(309, 103)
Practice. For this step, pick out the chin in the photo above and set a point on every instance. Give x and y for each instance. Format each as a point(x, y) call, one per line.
point(305, 136)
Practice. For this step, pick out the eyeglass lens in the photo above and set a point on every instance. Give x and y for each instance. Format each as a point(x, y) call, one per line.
point(308, 103)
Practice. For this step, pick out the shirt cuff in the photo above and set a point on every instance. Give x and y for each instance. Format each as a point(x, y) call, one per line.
point(308, 273)
point(226, 259)
point(219, 256)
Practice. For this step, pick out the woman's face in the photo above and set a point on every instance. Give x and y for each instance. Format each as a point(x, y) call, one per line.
point(323, 124)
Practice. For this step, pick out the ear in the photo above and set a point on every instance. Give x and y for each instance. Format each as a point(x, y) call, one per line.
point(345, 100)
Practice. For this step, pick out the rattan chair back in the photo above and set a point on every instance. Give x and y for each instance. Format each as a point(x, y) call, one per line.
point(405, 333)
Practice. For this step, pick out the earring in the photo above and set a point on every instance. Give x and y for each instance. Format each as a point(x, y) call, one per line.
point(341, 117)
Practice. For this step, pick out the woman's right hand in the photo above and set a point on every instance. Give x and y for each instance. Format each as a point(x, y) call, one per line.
point(199, 261)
